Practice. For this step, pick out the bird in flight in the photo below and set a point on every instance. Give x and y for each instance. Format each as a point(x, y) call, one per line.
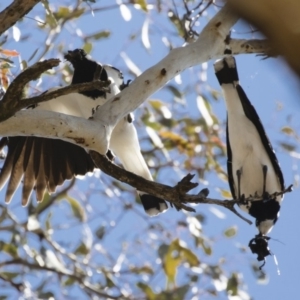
point(46, 163)
point(253, 168)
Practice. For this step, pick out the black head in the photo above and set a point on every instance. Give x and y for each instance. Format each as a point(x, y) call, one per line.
point(259, 245)
point(84, 71)
point(75, 56)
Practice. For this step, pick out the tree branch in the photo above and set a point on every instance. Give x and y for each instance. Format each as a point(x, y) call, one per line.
point(48, 124)
point(11, 99)
point(210, 44)
point(79, 278)
point(176, 195)
point(14, 107)
point(46, 204)
point(258, 46)
point(18, 286)
point(277, 20)
point(14, 12)
point(12, 102)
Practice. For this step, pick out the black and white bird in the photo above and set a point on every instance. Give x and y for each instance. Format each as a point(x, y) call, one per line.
point(46, 163)
point(253, 169)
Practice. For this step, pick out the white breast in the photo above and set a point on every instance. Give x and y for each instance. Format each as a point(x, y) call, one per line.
point(248, 152)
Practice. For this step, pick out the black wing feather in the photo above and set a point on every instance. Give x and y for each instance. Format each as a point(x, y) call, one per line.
point(229, 164)
point(252, 115)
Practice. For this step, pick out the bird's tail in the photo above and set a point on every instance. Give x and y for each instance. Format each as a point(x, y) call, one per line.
point(226, 71)
point(124, 143)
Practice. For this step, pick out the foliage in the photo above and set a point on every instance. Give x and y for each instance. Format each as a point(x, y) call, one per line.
point(92, 240)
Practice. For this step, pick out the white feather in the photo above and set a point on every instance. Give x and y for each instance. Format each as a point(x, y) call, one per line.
point(248, 152)
point(125, 144)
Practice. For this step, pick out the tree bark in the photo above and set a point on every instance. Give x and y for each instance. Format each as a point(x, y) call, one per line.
point(14, 12)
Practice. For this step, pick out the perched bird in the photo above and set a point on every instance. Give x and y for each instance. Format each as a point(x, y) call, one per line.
point(46, 163)
point(253, 169)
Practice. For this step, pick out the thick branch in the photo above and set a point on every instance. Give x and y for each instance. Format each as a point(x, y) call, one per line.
point(239, 46)
point(210, 44)
point(80, 131)
point(14, 12)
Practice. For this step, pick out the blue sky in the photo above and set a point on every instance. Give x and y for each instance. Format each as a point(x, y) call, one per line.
point(272, 89)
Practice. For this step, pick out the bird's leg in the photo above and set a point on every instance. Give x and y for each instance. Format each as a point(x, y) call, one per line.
point(238, 175)
point(265, 194)
point(240, 197)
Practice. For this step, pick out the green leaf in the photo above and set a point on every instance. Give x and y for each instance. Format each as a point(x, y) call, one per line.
point(176, 255)
point(288, 130)
point(70, 281)
point(50, 16)
point(141, 270)
point(233, 284)
point(46, 295)
point(225, 194)
point(205, 246)
point(9, 275)
point(147, 290)
point(100, 232)
point(87, 47)
point(10, 249)
point(174, 139)
point(62, 12)
point(187, 255)
point(76, 207)
point(46, 203)
point(176, 21)
point(143, 4)
point(170, 266)
point(3, 215)
point(162, 251)
point(230, 232)
point(109, 281)
point(24, 64)
point(82, 249)
point(177, 94)
point(100, 35)
point(175, 294)
point(48, 221)
point(156, 104)
point(288, 147)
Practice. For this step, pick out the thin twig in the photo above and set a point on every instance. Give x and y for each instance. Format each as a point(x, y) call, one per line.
point(175, 195)
point(68, 273)
point(18, 286)
point(46, 204)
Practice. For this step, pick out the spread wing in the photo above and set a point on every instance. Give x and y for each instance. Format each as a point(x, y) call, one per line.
point(46, 163)
point(43, 163)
